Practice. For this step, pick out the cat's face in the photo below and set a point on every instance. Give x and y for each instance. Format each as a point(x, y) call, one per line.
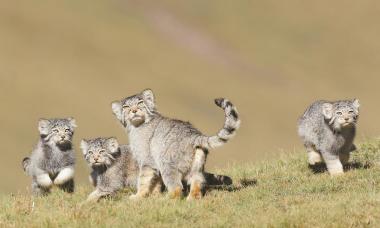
point(135, 110)
point(342, 114)
point(100, 151)
point(57, 131)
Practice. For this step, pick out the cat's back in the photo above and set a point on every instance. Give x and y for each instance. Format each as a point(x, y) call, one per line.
point(170, 128)
point(311, 122)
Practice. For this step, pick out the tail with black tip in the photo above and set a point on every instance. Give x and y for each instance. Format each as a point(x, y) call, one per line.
point(231, 125)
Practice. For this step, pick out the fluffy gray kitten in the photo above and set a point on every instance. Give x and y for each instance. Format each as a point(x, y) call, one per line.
point(52, 160)
point(171, 148)
point(113, 168)
point(328, 131)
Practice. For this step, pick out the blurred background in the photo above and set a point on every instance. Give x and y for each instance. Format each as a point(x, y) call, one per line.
point(271, 58)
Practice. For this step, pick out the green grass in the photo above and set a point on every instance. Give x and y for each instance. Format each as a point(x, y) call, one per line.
point(285, 193)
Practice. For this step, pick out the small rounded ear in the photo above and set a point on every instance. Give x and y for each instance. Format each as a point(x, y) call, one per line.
point(327, 109)
point(356, 104)
point(84, 146)
point(72, 122)
point(117, 109)
point(43, 126)
point(112, 145)
point(149, 98)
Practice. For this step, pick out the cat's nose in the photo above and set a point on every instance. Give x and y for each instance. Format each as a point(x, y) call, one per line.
point(346, 119)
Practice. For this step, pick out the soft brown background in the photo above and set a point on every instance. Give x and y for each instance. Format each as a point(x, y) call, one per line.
point(271, 58)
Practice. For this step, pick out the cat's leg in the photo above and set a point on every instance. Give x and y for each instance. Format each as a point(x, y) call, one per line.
point(172, 179)
point(38, 190)
point(43, 180)
point(65, 179)
point(64, 176)
point(144, 182)
point(68, 186)
point(314, 157)
point(157, 186)
point(196, 177)
point(334, 165)
point(345, 156)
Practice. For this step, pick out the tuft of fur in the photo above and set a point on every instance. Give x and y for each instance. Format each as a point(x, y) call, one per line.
point(169, 148)
point(52, 160)
point(328, 130)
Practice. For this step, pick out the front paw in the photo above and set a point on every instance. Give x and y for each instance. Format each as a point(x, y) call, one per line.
point(334, 167)
point(64, 176)
point(44, 181)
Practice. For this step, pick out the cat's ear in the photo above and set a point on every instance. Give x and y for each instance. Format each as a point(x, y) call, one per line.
point(84, 146)
point(149, 98)
point(356, 104)
point(327, 109)
point(117, 110)
point(72, 122)
point(112, 145)
point(43, 126)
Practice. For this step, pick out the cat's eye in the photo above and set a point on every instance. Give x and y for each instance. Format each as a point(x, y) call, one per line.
point(67, 130)
point(339, 113)
point(101, 151)
point(141, 102)
point(55, 131)
point(351, 112)
point(90, 152)
point(126, 107)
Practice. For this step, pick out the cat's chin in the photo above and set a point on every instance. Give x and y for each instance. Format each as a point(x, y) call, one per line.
point(64, 145)
point(347, 125)
point(137, 121)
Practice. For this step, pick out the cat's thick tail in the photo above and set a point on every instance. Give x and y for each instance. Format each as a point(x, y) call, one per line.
point(217, 180)
point(26, 164)
point(231, 125)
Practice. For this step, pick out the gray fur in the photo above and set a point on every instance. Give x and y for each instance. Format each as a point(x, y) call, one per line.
point(52, 160)
point(327, 130)
point(117, 170)
point(112, 167)
point(171, 148)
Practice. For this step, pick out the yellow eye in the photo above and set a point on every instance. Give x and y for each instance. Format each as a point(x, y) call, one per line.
point(55, 131)
point(126, 107)
point(339, 113)
point(102, 151)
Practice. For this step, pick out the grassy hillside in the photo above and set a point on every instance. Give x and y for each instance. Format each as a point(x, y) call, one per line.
point(281, 193)
point(271, 58)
